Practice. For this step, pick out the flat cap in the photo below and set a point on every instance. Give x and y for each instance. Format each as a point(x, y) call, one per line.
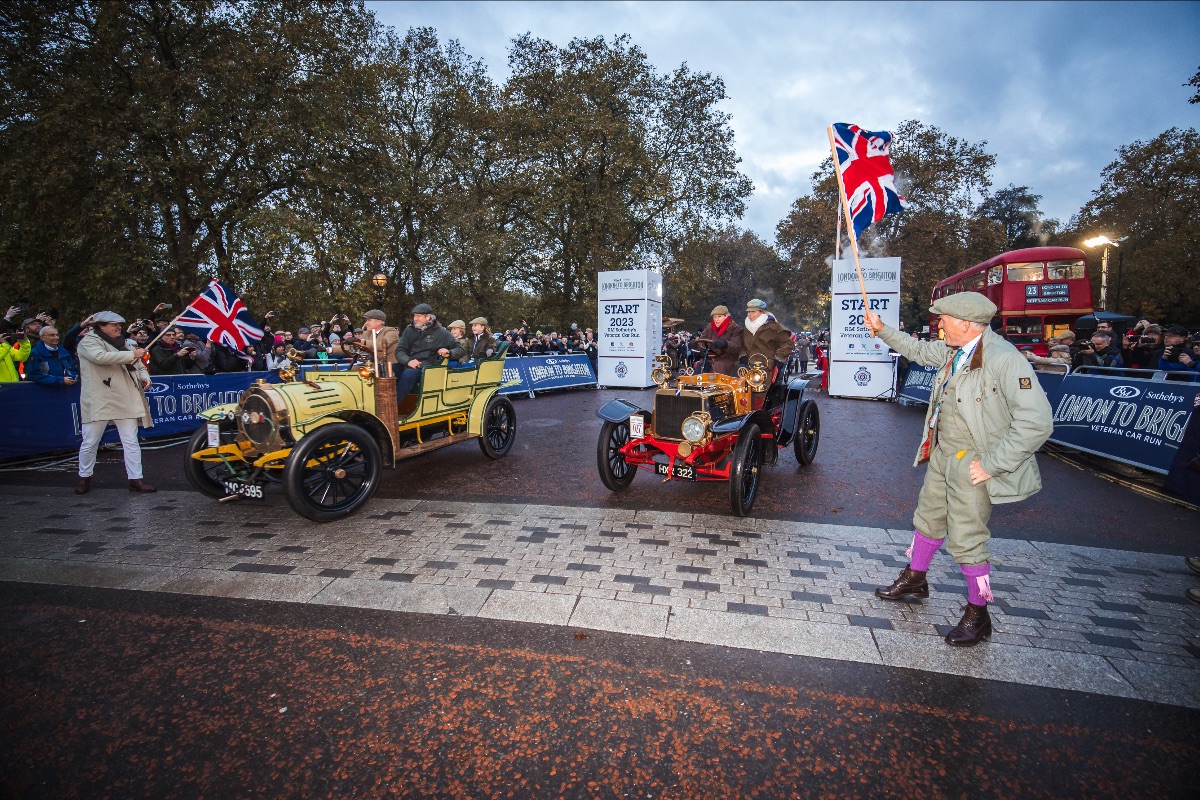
point(756, 305)
point(458, 323)
point(968, 306)
point(422, 308)
point(1067, 335)
point(375, 313)
point(1178, 330)
point(100, 317)
point(480, 321)
point(720, 311)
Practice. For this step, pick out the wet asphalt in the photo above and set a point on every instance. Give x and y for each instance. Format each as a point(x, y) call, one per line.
point(108, 693)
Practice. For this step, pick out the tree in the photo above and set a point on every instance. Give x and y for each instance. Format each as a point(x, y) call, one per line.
point(727, 266)
point(1149, 197)
point(1195, 82)
point(1015, 208)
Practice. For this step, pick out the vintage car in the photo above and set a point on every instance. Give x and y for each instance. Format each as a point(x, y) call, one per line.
point(710, 427)
point(326, 436)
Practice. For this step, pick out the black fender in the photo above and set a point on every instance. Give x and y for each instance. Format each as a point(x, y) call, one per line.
point(620, 410)
point(791, 410)
point(735, 424)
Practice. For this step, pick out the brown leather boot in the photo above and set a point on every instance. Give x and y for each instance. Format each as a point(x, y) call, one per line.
point(973, 628)
point(910, 583)
point(139, 485)
point(83, 485)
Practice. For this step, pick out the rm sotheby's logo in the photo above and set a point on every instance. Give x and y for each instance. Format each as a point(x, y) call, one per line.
point(621, 369)
point(158, 388)
point(1124, 392)
point(863, 376)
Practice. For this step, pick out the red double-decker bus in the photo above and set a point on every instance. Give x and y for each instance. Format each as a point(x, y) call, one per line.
point(1038, 291)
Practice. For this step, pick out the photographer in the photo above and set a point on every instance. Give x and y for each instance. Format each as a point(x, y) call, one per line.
point(1177, 353)
point(1144, 346)
point(167, 357)
point(1099, 351)
point(14, 349)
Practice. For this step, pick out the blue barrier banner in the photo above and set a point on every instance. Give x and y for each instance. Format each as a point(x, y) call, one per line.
point(540, 373)
point(1135, 421)
point(918, 383)
point(50, 416)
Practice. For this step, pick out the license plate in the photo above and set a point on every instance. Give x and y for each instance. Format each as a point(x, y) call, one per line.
point(251, 490)
point(637, 427)
point(214, 435)
point(684, 472)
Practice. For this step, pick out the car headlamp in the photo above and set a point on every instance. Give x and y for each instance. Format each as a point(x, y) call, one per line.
point(694, 429)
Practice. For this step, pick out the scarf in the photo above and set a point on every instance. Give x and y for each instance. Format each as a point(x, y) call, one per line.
point(719, 330)
point(118, 341)
point(754, 326)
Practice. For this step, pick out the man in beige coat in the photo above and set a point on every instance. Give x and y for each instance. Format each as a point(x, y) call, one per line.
point(114, 381)
point(987, 417)
point(376, 333)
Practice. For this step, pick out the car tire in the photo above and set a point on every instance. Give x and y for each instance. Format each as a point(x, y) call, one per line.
point(808, 434)
point(745, 470)
point(499, 427)
point(206, 476)
point(318, 491)
point(616, 474)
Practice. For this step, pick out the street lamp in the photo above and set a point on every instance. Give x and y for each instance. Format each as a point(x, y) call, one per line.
point(1105, 242)
point(379, 280)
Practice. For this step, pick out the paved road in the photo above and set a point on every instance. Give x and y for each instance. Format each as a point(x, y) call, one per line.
point(563, 641)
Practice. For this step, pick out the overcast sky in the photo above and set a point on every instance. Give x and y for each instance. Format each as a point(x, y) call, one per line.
point(1054, 88)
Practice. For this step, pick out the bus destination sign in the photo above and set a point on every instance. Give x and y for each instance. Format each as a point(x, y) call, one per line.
point(1047, 293)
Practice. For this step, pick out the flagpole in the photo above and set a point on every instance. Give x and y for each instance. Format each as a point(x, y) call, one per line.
point(837, 245)
point(837, 168)
point(169, 324)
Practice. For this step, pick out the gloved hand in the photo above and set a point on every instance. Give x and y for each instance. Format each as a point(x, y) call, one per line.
point(720, 344)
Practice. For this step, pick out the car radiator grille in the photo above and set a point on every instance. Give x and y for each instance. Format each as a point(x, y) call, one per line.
point(670, 412)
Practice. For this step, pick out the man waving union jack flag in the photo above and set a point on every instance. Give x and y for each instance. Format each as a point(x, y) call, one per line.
point(220, 315)
point(867, 174)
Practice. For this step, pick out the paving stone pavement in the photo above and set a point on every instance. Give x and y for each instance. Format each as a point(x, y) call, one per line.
point(1105, 621)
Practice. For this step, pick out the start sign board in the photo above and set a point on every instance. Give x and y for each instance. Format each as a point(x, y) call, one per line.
point(629, 327)
point(860, 364)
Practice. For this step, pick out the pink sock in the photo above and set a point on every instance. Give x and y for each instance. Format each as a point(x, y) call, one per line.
point(979, 583)
point(921, 551)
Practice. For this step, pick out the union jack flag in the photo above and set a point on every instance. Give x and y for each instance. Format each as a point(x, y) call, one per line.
point(220, 315)
point(867, 174)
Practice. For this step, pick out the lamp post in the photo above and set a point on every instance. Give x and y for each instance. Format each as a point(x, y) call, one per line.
point(379, 281)
point(1098, 241)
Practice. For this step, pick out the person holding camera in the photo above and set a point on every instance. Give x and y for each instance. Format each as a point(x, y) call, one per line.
point(14, 349)
point(1099, 351)
point(1144, 346)
point(1177, 353)
point(168, 357)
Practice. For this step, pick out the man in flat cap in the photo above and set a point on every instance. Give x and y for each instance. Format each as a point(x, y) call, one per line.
point(423, 344)
point(381, 339)
point(114, 380)
point(764, 337)
point(987, 417)
point(723, 339)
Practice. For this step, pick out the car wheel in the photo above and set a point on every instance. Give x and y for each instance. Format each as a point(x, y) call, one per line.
point(207, 477)
point(499, 427)
point(745, 470)
point(809, 434)
point(614, 471)
point(332, 472)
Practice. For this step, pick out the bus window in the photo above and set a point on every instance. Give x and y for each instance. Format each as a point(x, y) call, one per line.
point(978, 280)
point(995, 275)
point(1065, 270)
point(961, 286)
point(1023, 330)
point(1025, 272)
point(1055, 329)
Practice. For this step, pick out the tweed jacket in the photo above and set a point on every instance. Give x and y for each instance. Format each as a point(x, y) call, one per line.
point(1001, 403)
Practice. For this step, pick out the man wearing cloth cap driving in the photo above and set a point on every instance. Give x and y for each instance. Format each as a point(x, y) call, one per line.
point(987, 417)
point(377, 335)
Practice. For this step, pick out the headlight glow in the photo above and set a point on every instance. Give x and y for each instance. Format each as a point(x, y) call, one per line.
point(694, 429)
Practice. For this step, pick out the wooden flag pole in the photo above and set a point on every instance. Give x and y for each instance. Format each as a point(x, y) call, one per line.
point(164, 330)
point(837, 245)
point(837, 168)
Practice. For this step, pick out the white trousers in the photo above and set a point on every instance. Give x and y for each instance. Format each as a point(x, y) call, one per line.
point(93, 431)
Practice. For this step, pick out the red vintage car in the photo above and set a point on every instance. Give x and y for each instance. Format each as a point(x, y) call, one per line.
point(710, 427)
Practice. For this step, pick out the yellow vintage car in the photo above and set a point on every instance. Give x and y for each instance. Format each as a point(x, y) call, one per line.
point(326, 436)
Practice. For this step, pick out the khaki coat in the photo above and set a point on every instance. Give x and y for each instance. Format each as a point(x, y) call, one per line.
point(1001, 402)
point(108, 389)
point(388, 339)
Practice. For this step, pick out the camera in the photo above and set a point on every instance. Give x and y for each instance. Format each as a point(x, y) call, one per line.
point(1147, 340)
point(1172, 352)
